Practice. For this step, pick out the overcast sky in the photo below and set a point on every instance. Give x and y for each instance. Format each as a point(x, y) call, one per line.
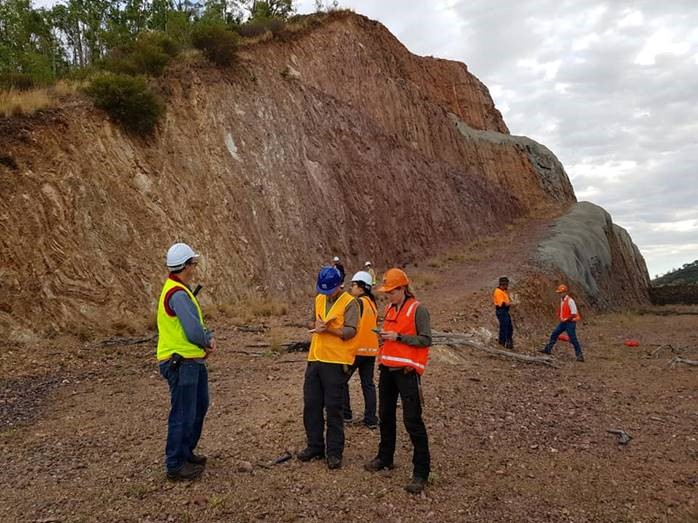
point(610, 87)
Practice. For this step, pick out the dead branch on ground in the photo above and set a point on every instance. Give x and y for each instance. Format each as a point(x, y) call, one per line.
point(677, 360)
point(655, 353)
point(123, 342)
point(459, 340)
point(292, 346)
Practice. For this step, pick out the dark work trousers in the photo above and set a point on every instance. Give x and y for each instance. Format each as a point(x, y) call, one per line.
point(506, 327)
point(365, 365)
point(323, 390)
point(571, 328)
point(390, 384)
point(188, 406)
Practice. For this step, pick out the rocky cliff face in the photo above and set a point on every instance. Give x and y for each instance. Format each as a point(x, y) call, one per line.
point(338, 141)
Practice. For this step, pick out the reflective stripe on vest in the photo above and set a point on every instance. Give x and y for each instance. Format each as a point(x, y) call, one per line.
point(327, 347)
point(565, 312)
point(398, 354)
point(366, 339)
point(171, 336)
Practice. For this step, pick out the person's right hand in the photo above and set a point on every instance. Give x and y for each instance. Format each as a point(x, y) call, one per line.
point(320, 326)
point(212, 346)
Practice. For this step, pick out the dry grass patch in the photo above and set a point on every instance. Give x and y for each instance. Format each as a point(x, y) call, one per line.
point(474, 251)
point(245, 311)
point(15, 103)
point(267, 307)
point(420, 280)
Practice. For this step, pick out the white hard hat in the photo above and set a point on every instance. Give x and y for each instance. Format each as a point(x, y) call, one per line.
point(178, 255)
point(336, 258)
point(364, 277)
point(367, 264)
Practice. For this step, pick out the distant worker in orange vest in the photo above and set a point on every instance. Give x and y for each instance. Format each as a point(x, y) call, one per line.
point(402, 359)
point(366, 342)
point(332, 352)
point(502, 303)
point(569, 316)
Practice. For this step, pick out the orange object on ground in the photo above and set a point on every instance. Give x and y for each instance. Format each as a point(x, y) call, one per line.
point(631, 343)
point(563, 337)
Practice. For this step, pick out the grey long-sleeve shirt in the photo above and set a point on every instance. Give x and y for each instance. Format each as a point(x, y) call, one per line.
point(188, 316)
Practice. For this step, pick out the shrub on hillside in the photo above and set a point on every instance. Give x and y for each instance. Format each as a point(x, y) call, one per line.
point(216, 42)
point(260, 26)
point(149, 54)
point(128, 100)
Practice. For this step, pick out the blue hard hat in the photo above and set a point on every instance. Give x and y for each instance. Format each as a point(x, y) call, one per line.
point(328, 279)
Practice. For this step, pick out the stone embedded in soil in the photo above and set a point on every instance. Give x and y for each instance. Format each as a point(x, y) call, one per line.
point(245, 466)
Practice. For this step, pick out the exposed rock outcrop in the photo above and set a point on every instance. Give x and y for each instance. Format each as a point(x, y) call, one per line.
point(337, 141)
point(592, 253)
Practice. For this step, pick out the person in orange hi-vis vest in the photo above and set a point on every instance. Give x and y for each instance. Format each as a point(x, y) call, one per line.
point(502, 303)
point(403, 356)
point(332, 351)
point(366, 349)
point(569, 316)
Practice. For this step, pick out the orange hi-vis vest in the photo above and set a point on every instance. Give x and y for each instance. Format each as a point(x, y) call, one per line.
point(366, 338)
point(396, 353)
point(500, 297)
point(565, 312)
point(327, 347)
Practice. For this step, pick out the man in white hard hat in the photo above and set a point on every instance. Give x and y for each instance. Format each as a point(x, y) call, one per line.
point(184, 342)
point(369, 268)
point(337, 265)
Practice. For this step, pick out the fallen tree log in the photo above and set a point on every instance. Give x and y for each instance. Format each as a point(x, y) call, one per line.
point(685, 361)
point(459, 340)
point(655, 354)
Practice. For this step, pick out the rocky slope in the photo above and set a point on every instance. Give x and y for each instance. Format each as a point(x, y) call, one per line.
point(335, 141)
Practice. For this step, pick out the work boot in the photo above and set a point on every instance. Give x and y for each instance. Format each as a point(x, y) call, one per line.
point(198, 460)
point(308, 454)
point(373, 425)
point(580, 358)
point(416, 485)
point(186, 472)
point(545, 350)
point(334, 462)
point(377, 464)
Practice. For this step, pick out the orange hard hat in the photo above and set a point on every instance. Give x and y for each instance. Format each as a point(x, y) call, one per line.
point(392, 279)
point(561, 288)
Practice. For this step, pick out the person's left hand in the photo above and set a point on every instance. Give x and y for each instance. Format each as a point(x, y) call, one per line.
point(388, 336)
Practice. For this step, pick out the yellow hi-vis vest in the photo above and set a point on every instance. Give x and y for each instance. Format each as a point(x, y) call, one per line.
point(171, 336)
point(366, 338)
point(327, 347)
